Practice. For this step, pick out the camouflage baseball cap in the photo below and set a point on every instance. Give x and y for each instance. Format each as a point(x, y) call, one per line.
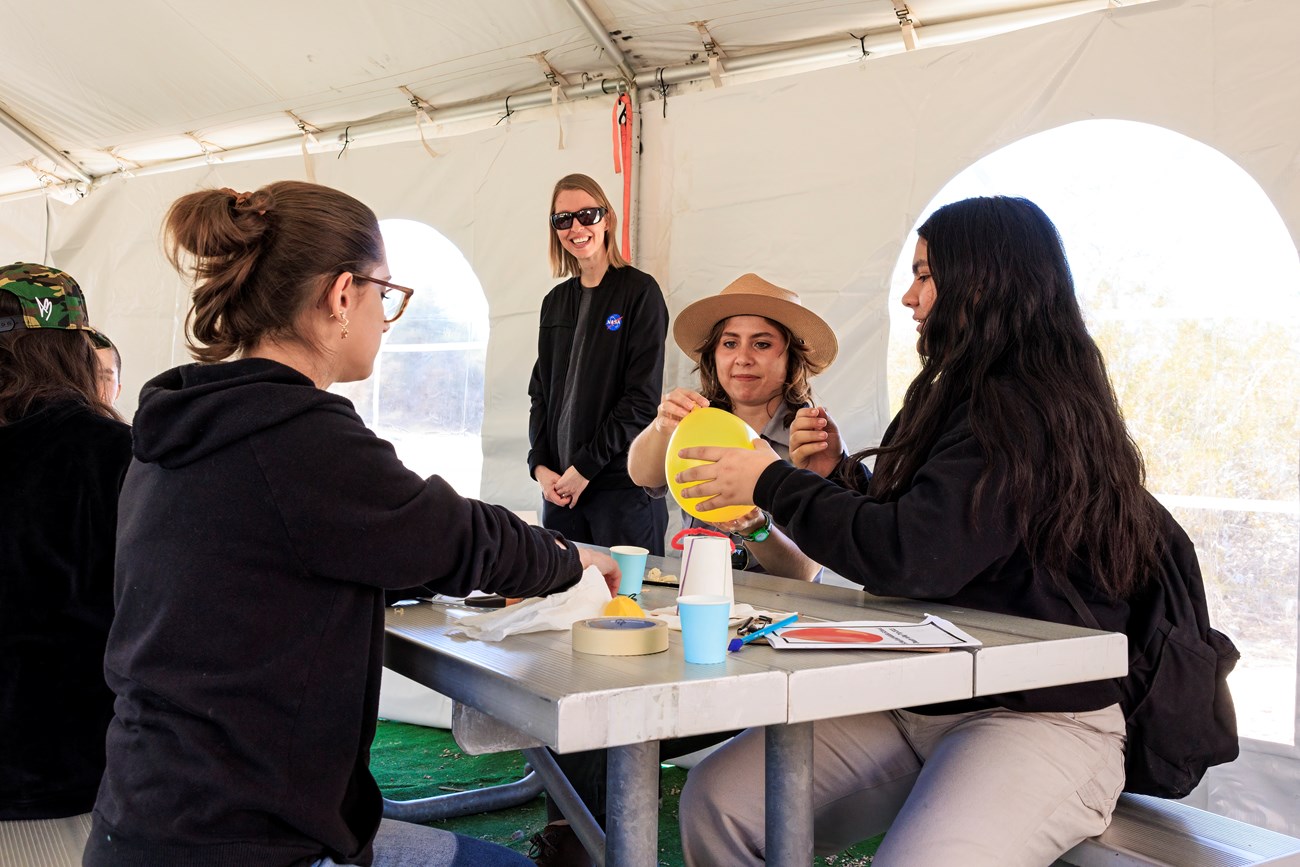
point(49, 298)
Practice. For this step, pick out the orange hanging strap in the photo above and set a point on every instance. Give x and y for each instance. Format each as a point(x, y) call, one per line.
point(623, 164)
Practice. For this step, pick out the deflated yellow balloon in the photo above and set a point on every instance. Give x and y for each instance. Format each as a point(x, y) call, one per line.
point(622, 606)
point(706, 426)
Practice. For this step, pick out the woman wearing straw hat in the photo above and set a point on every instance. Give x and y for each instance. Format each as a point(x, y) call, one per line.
point(756, 347)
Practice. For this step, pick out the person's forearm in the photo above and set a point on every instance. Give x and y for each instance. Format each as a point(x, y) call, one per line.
point(778, 555)
point(645, 458)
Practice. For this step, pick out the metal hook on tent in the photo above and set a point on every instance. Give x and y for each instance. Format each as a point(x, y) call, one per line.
point(661, 87)
point(862, 43)
point(347, 140)
point(505, 116)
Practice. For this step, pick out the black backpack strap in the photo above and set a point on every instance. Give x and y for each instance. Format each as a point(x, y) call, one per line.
point(1076, 602)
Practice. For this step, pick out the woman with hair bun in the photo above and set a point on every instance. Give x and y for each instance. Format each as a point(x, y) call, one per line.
point(261, 524)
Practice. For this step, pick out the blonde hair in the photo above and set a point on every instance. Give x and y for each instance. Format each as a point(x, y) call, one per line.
point(564, 263)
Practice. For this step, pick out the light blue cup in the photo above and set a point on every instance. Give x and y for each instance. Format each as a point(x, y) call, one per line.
point(631, 563)
point(704, 628)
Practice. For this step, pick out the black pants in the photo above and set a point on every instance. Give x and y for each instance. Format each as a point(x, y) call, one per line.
point(587, 770)
point(615, 516)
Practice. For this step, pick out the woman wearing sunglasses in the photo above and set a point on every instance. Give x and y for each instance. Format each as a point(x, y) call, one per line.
point(259, 527)
point(600, 361)
point(1007, 475)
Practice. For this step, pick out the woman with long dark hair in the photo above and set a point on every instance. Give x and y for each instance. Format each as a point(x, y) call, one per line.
point(1008, 472)
point(63, 455)
point(261, 525)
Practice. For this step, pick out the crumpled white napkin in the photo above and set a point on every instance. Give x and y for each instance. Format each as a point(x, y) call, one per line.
point(739, 611)
point(583, 600)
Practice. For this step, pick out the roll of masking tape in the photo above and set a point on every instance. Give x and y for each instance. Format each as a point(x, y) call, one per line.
point(620, 636)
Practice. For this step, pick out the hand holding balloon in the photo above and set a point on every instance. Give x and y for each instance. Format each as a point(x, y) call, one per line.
point(728, 482)
point(707, 429)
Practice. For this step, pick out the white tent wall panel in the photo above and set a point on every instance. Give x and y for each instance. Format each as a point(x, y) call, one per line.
point(813, 181)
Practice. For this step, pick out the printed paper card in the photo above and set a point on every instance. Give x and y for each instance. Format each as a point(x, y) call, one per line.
point(932, 633)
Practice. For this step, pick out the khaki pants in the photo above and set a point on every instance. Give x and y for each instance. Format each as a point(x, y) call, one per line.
point(994, 787)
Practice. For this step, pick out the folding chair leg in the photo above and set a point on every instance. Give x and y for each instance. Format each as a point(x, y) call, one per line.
point(562, 793)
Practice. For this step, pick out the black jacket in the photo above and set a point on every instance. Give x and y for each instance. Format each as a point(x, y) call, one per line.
point(61, 467)
point(931, 544)
point(620, 380)
point(260, 524)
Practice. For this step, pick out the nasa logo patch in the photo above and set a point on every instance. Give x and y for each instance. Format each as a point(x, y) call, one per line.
point(614, 322)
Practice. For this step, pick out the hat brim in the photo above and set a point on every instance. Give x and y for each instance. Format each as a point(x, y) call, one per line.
point(694, 323)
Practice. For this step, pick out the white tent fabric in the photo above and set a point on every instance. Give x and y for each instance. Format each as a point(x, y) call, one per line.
point(812, 180)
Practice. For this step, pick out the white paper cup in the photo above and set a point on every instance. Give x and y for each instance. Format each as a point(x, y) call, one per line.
point(706, 567)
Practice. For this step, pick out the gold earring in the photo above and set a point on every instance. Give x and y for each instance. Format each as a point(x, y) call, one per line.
point(342, 319)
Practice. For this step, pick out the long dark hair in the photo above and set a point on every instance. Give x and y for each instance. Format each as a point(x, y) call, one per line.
point(1005, 332)
point(260, 259)
point(40, 365)
point(796, 390)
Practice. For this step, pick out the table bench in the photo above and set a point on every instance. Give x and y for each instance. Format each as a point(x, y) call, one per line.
point(1154, 832)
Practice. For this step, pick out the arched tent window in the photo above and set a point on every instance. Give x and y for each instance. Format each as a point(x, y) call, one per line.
point(1190, 284)
point(426, 393)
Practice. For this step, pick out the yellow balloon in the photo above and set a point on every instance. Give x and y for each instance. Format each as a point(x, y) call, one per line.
point(705, 426)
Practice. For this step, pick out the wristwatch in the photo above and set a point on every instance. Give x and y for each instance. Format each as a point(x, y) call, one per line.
point(762, 532)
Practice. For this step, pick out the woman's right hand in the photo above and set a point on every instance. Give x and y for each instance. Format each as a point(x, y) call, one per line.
point(676, 404)
point(605, 563)
point(815, 441)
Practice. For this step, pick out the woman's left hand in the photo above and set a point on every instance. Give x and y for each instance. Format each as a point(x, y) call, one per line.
point(571, 485)
point(730, 478)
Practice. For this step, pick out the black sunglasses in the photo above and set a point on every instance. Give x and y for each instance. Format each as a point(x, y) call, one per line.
point(586, 216)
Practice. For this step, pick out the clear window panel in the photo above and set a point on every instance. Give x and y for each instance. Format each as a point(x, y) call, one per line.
point(425, 395)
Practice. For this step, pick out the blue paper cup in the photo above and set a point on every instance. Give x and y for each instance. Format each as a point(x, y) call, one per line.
point(631, 563)
point(704, 628)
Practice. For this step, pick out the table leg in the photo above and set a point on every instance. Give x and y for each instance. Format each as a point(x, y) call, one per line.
point(788, 754)
point(632, 805)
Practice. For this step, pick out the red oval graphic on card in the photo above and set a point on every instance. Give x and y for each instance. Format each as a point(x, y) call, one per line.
point(831, 635)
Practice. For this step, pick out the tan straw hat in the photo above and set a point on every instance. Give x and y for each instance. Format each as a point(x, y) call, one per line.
point(751, 295)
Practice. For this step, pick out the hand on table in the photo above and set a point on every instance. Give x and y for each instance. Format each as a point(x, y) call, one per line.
point(605, 563)
point(730, 478)
point(815, 441)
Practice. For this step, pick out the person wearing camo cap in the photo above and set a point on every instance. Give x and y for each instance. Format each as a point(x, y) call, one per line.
point(63, 456)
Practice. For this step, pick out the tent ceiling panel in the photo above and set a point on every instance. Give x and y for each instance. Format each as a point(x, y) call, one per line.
point(138, 82)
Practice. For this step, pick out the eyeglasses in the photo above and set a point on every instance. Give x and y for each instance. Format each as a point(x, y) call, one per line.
point(394, 297)
point(586, 216)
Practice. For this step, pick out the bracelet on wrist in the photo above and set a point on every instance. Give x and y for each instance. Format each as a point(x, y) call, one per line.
point(764, 530)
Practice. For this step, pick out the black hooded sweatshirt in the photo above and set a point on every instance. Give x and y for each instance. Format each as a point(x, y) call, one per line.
point(61, 467)
point(260, 525)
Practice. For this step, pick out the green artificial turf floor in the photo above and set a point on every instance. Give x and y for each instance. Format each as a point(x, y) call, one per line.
point(415, 762)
